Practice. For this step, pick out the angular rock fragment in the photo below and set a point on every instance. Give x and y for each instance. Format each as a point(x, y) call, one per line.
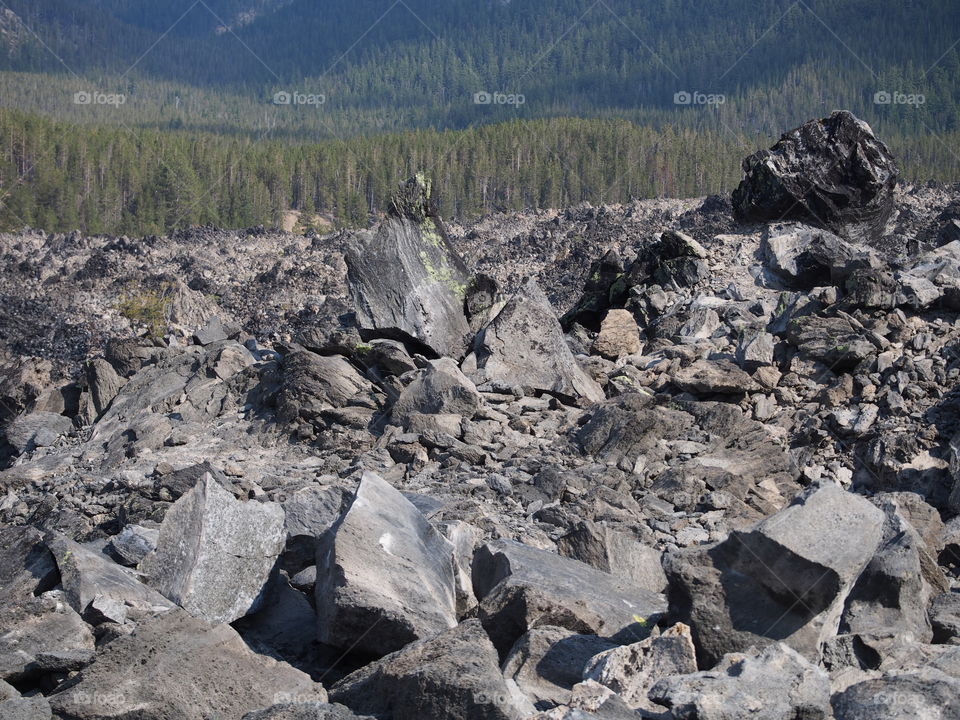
point(520, 588)
point(308, 514)
point(454, 675)
point(831, 172)
point(439, 389)
point(215, 553)
point(406, 279)
point(134, 543)
point(614, 552)
point(924, 694)
point(632, 670)
point(37, 429)
point(548, 661)
point(776, 683)
point(714, 376)
point(314, 383)
point(104, 383)
point(383, 566)
point(524, 346)
point(177, 666)
point(833, 341)
point(619, 335)
point(787, 579)
point(98, 588)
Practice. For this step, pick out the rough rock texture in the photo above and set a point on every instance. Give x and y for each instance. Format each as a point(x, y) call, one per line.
point(215, 553)
point(618, 336)
point(520, 588)
point(385, 567)
point(775, 683)
point(524, 347)
point(831, 172)
point(452, 675)
point(440, 389)
point(176, 667)
point(787, 579)
point(407, 281)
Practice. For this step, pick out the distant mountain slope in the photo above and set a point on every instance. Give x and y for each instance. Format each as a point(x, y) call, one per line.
point(420, 62)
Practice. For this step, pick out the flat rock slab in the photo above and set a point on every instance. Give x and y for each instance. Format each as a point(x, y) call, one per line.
point(521, 587)
point(215, 553)
point(524, 346)
point(454, 675)
point(176, 667)
point(99, 588)
point(786, 579)
point(385, 576)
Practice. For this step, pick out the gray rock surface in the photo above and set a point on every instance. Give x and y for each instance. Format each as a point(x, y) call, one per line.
point(524, 346)
point(384, 567)
point(453, 675)
point(176, 667)
point(215, 553)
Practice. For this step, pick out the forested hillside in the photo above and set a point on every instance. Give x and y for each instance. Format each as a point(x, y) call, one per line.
point(109, 180)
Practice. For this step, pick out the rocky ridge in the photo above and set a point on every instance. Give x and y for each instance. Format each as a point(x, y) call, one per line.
point(659, 460)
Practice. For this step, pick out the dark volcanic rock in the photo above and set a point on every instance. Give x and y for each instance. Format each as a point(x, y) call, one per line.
point(831, 172)
point(407, 281)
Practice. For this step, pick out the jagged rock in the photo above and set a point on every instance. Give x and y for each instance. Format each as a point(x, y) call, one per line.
point(134, 543)
point(407, 281)
point(38, 429)
point(388, 356)
point(36, 619)
point(13, 706)
point(98, 588)
point(453, 675)
point(617, 553)
point(104, 384)
point(174, 666)
point(755, 349)
point(804, 257)
point(832, 340)
point(315, 383)
point(213, 331)
point(590, 701)
point(548, 661)
point(215, 553)
point(383, 565)
point(945, 618)
point(924, 695)
point(308, 514)
point(734, 454)
point(787, 579)
point(619, 335)
point(603, 288)
point(439, 389)
point(896, 587)
point(632, 670)
point(22, 381)
point(306, 711)
point(775, 683)
point(521, 587)
point(524, 346)
point(674, 260)
point(832, 172)
point(714, 376)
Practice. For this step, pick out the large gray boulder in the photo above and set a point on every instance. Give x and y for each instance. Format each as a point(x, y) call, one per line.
point(407, 281)
point(520, 588)
point(383, 566)
point(831, 172)
point(524, 346)
point(805, 257)
point(215, 553)
point(37, 429)
point(776, 683)
point(786, 579)
point(104, 384)
point(315, 383)
point(454, 675)
point(177, 667)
